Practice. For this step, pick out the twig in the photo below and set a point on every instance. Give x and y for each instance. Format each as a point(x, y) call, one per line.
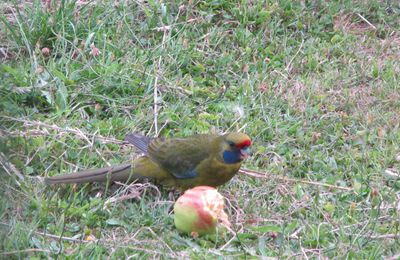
point(108, 242)
point(269, 176)
point(385, 236)
point(295, 233)
point(76, 132)
point(155, 90)
point(168, 27)
point(228, 243)
point(155, 110)
point(297, 53)
point(304, 253)
point(122, 198)
point(156, 236)
point(28, 250)
point(131, 191)
point(365, 20)
point(357, 224)
point(70, 239)
point(234, 123)
point(9, 167)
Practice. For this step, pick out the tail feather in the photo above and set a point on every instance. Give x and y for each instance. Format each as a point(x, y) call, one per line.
point(141, 142)
point(113, 173)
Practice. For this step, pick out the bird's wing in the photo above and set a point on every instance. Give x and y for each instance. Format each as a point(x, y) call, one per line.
point(180, 156)
point(141, 142)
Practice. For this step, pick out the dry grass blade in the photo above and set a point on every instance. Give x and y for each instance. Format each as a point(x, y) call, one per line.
point(28, 250)
point(80, 134)
point(269, 176)
point(10, 168)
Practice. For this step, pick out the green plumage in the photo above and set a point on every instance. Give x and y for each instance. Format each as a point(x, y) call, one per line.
point(179, 162)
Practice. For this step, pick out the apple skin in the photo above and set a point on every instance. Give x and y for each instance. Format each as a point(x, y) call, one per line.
point(199, 211)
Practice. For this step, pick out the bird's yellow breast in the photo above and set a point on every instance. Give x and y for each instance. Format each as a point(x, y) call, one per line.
point(210, 172)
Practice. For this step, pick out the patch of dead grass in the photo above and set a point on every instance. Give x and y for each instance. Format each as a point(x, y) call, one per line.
point(385, 49)
point(296, 96)
point(345, 23)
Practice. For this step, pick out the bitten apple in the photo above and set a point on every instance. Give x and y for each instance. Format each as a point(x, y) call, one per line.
point(200, 211)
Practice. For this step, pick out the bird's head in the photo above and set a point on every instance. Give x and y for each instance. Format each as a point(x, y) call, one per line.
point(235, 147)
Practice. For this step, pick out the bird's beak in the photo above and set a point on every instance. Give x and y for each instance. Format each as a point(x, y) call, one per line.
point(245, 152)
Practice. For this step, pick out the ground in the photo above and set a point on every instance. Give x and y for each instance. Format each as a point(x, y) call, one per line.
point(314, 83)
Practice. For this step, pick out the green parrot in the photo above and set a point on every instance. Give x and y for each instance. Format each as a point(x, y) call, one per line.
point(183, 163)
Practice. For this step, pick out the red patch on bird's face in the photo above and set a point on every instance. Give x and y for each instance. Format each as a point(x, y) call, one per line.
point(245, 143)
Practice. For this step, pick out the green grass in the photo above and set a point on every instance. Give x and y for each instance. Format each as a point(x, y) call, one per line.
point(313, 84)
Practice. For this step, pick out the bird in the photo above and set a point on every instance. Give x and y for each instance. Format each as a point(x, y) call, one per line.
point(181, 163)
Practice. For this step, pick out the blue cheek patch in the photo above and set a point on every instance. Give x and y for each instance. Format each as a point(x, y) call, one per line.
point(231, 157)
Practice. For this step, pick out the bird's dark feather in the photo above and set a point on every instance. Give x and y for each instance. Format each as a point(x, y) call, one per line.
point(141, 142)
point(180, 156)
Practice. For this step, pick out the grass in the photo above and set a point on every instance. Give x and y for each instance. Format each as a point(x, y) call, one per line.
point(315, 84)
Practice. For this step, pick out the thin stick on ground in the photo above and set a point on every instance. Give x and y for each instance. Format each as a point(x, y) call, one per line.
point(34, 132)
point(28, 250)
point(269, 176)
point(365, 20)
point(384, 236)
point(9, 167)
point(70, 239)
point(155, 90)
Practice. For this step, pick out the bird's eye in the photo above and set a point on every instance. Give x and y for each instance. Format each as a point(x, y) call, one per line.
point(231, 144)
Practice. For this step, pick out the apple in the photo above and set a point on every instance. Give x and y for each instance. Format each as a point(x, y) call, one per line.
point(200, 211)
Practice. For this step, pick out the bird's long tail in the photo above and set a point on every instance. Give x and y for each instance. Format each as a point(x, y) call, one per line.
point(122, 172)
